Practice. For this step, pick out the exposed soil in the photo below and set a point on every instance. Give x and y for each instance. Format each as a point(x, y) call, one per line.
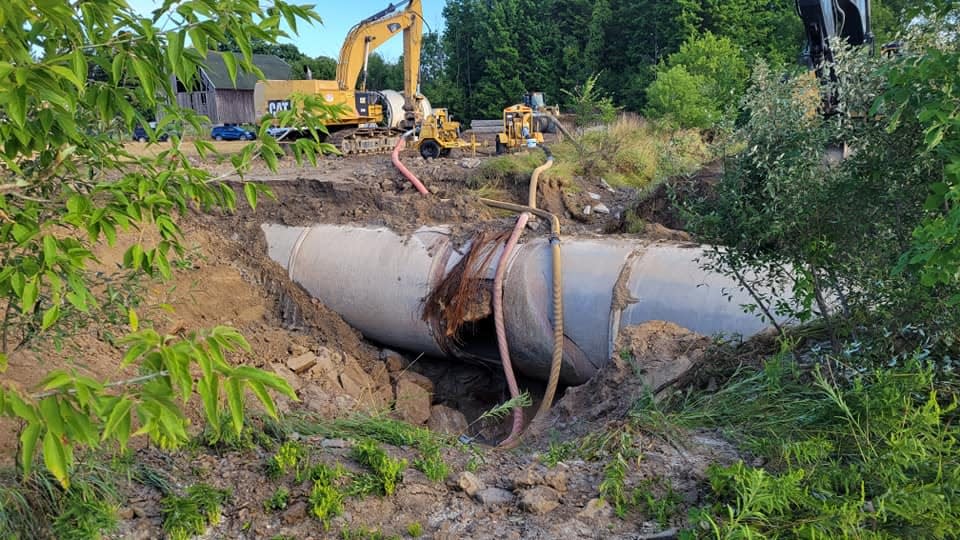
point(228, 279)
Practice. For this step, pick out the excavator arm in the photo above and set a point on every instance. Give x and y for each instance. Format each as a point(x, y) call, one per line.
point(827, 19)
point(373, 32)
point(824, 20)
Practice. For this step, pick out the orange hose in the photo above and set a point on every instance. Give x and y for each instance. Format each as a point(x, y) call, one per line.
point(499, 325)
point(395, 157)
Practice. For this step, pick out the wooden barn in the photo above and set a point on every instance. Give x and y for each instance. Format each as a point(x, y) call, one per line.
point(215, 95)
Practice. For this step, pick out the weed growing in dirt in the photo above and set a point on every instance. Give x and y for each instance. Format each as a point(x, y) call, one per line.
point(291, 456)
point(225, 438)
point(613, 487)
point(557, 452)
point(326, 502)
point(190, 515)
point(664, 508)
point(500, 411)
point(415, 530)
point(36, 506)
point(387, 431)
point(279, 499)
point(84, 515)
point(387, 471)
point(431, 463)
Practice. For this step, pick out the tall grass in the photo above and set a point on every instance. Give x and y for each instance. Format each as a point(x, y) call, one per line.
point(877, 456)
point(629, 152)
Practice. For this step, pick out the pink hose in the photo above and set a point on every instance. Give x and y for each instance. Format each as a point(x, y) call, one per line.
point(395, 157)
point(501, 331)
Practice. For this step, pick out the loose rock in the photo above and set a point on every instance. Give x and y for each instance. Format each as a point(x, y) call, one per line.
point(300, 364)
point(526, 478)
point(539, 500)
point(601, 208)
point(587, 210)
point(556, 479)
point(494, 496)
point(445, 420)
point(412, 376)
point(295, 514)
point(469, 483)
point(394, 361)
point(413, 402)
point(593, 195)
point(595, 509)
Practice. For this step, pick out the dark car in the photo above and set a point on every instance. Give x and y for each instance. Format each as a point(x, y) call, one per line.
point(140, 134)
point(232, 133)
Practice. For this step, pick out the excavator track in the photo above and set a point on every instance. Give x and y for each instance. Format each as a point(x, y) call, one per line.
point(377, 140)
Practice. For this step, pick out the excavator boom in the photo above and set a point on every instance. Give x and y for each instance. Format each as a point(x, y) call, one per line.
point(373, 32)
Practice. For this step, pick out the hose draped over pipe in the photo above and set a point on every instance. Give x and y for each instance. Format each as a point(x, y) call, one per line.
point(525, 211)
point(557, 359)
point(498, 323)
point(395, 157)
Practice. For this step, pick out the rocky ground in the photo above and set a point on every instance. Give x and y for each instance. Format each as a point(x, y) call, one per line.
point(547, 487)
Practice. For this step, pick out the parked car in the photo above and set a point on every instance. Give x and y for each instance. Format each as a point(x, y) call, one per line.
point(140, 134)
point(232, 133)
point(279, 132)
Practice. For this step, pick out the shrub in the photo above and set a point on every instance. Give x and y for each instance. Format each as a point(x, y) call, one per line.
point(679, 95)
point(720, 62)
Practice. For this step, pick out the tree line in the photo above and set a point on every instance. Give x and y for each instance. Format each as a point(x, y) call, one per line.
point(491, 52)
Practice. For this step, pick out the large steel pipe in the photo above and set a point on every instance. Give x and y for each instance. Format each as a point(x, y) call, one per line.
point(378, 282)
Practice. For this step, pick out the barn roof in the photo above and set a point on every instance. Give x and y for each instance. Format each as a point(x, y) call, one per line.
point(273, 67)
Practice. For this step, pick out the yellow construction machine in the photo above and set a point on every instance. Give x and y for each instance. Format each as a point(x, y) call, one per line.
point(439, 135)
point(370, 121)
point(519, 129)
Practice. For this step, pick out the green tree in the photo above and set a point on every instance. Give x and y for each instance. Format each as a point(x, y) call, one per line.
point(832, 230)
point(679, 95)
point(923, 93)
point(719, 63)
point(502, 81)
point(384, 75)
point(68, 184)
point(321, 68)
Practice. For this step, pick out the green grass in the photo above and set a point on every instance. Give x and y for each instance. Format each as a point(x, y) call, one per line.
point(290, 456)
point(386, 431)
point(873, 457)
point(387, 471)
point(190, 515)
point(37, 507)
point(279, 499)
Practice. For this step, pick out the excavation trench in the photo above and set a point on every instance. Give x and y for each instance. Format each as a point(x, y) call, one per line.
point(425, 294)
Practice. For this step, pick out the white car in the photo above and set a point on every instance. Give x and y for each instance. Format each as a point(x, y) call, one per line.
point(278, 132)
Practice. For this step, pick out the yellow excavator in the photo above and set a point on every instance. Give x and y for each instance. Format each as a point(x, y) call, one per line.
point(370, 121)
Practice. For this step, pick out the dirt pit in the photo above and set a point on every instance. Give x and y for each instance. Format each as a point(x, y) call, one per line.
point(549, 487)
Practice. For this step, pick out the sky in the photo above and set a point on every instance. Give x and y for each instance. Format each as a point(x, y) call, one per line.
point(338, 17)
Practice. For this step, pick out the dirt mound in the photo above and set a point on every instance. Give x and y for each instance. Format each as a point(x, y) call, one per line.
point(650, 358)
point(659, 206)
